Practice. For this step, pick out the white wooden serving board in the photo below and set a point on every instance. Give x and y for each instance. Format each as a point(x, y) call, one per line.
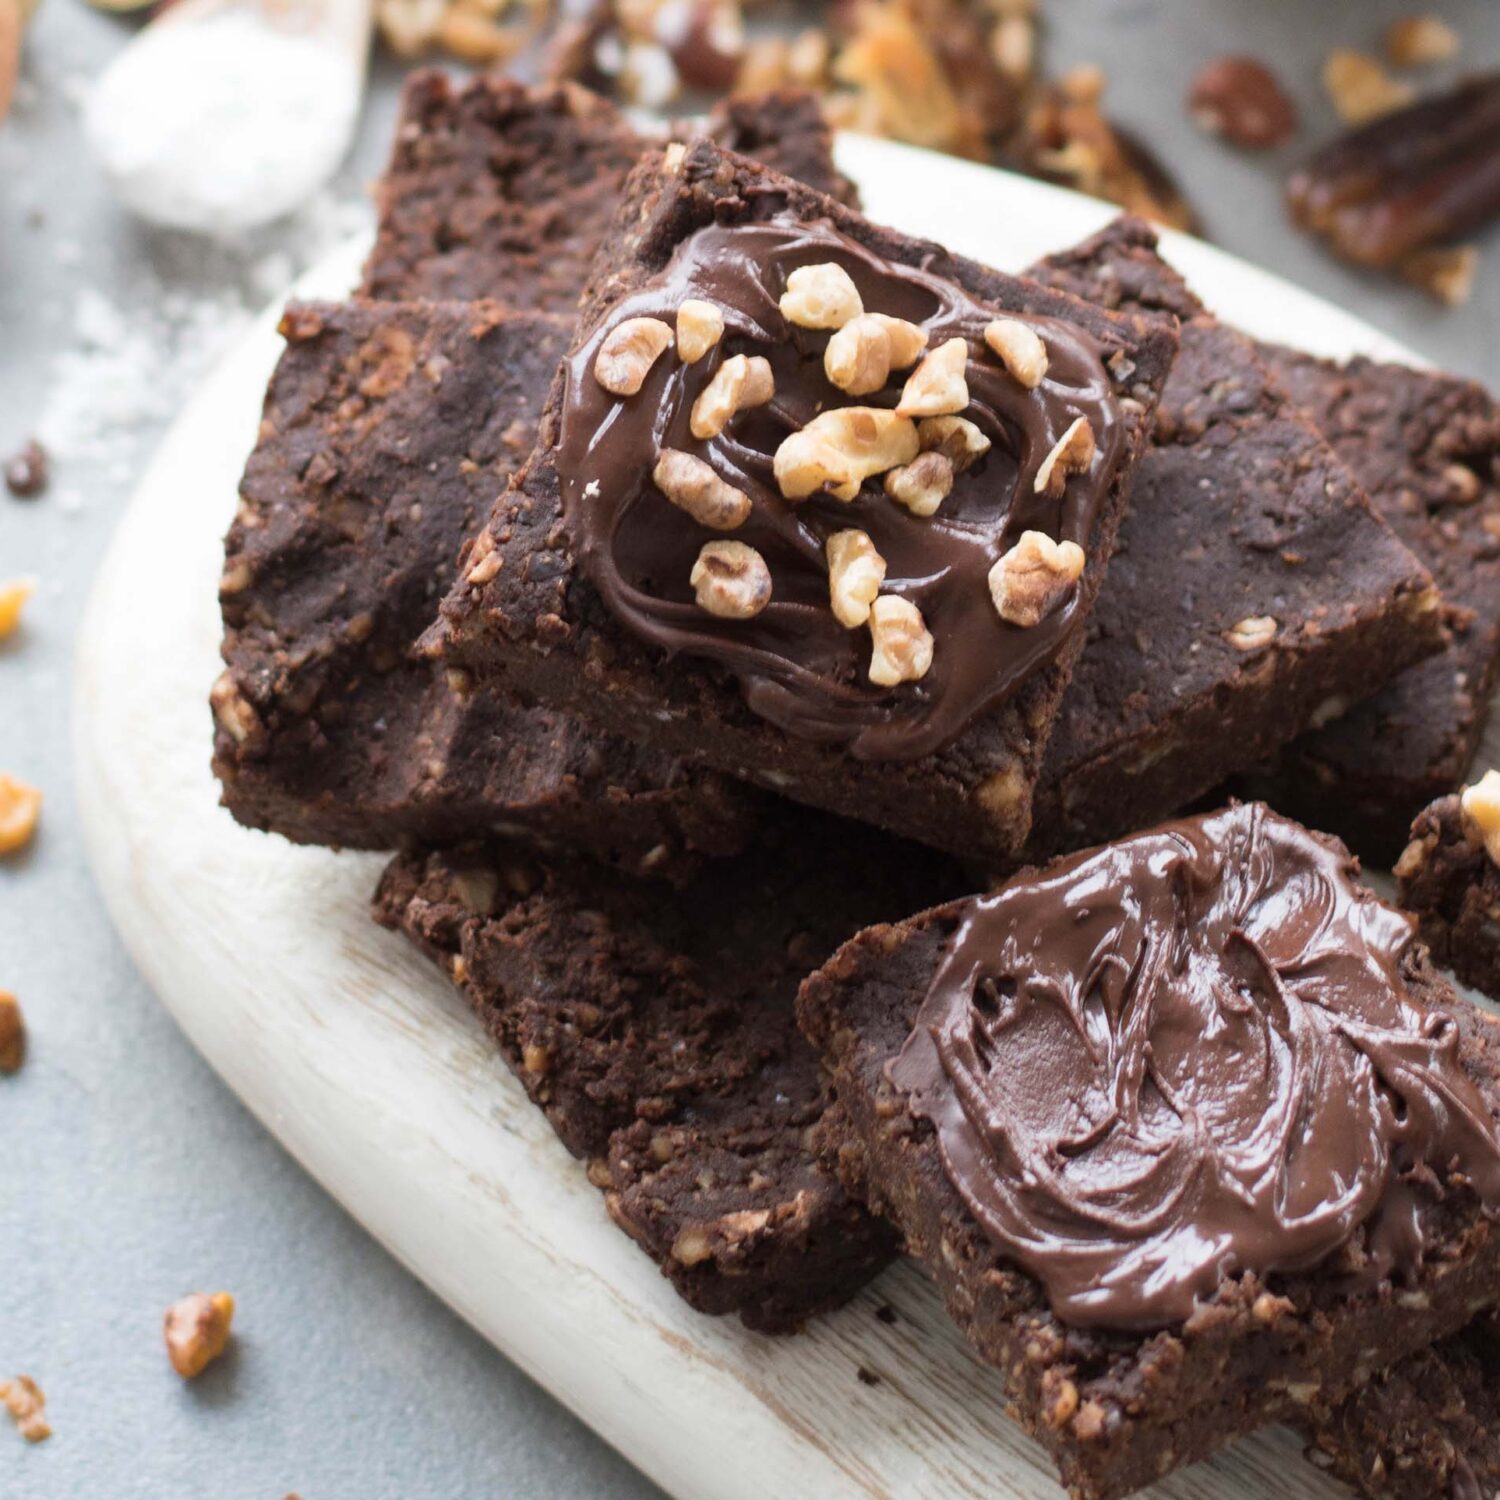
point(370, 1071)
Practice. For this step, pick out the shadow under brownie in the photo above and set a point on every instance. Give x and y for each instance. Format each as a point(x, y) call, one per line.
point(1188, 1131)
point(659, 1037)
point(953, 768)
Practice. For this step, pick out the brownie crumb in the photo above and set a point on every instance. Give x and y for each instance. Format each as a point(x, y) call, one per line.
point(867, 1376)
point(27, 472)
point(886, 1313)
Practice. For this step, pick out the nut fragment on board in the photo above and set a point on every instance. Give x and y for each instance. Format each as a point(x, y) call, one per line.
point(20, 809)
point(12, 1033)
point(22, 1397)
point(13, 596)
point(1242, 100)
point(1359, 87)
point(1413, 41)
point(27, 472)
point(196, 1331)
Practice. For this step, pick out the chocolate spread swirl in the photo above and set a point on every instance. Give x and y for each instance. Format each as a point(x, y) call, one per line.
point(1188, 1056)
point(797, 666)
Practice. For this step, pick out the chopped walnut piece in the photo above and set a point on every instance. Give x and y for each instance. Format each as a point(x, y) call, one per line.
point(23, 1399)
point(855, 572)
point(1072, 454)
point(923, 484)
point(1481, 806)
point(1020, 348)
point(937, 387)
point(1241, 99)
point(731, 580)
point(738, 384)
point(858, 357)
point(838, 450)
point(908, 340)
point(692, 485)
point(1252, 633)
point(628, 352)
point(12, 1033)
point(1360, 88)
point(1412, 41)
point(901, 643)
point(196, 1331)
point(1034, 577)
point(692, 1246)
point(820, 296)
point(13, 597)
point(700, 325)
point(956, 438)
point(1445, 272)
point(20, 807)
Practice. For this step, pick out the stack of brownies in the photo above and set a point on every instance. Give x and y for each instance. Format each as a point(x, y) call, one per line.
point(693, 581)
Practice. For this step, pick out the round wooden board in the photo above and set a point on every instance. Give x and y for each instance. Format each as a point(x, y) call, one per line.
point(367, 1067)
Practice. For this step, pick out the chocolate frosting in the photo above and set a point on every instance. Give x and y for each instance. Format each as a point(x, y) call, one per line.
point(797, 666)
point(1187, 1056)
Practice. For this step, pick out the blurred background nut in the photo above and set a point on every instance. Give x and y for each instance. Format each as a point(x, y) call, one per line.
point(1413, 41)
point(1241, 99)
point(1360, 89)
point(196, 1331)
point(12, 1033)
point(22, 1397)
point(20, 808)
point(13, 597)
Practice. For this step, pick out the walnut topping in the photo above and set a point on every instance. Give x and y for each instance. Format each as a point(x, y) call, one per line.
point(13, 597)
point(1252, 633)
point(23, 1399)
point(693, 486)
point(937, 386)
point(1020, 348)
point(821, 296)
point(855, 572)
point(20, 807)
point(1414, 40)
point(838, 450)
point(923, 484)
point(956, 438)
point(738, 384)
point(1360, 88)
point(861, 355)
point(196, 1331)
point(12, 1033)
point(731, 580)
point(233, 712)
point(1481, 805)
point(1072, 454)
point(901, 643)
point(700, 325)
point(1034, 577)
point(628, 352)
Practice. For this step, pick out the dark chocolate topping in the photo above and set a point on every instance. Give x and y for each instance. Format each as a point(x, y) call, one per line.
point(1187, 1056)
point(798, 667)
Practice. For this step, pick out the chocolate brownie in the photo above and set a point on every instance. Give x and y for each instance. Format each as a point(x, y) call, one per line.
point(594, 591)
point(1187, 1129)
point(1449, 879)
point(387, 432)
point(1252, 582)
point(1427, 448)
point(659, 1037)
point(498, 190)
point(1427, 1429)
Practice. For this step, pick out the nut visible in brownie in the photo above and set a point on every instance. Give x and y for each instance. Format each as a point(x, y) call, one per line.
point(1427, 449)
point(658, 1035)
point(498, 190)
point(600, 573)
point(388, 430)
point(1449, 879)
point(1187, 1129)
point(1251, 582)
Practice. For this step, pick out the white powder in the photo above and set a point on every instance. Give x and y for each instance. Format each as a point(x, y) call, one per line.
point(225, 123)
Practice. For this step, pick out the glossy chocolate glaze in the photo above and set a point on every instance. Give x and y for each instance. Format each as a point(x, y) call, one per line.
point(797, 666)
point(1190, 1055)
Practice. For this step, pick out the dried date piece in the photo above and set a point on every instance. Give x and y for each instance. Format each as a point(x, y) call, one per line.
point(1420, 177)
point(1241, 99)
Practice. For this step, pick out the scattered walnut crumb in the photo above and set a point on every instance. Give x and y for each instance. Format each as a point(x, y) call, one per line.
point(27, 472)
point(1413, 41)
point(23, 1399)
point(12, 1033)
point(20, 808)
point(1360, 88)
point(1252, 633)
point(1446, 272)
point(196, 1331)
point(13, 597)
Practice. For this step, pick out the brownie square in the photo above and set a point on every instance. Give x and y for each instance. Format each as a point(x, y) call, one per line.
point(1252, 582)
point(1448, 877)
point(1427, 448)
point(496, 189)
point(527, 609)
point(386, 434)
point(659, 1037)
point(1140, 1114)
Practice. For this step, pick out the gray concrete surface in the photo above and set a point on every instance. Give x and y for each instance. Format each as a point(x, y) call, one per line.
point(128, 1174)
